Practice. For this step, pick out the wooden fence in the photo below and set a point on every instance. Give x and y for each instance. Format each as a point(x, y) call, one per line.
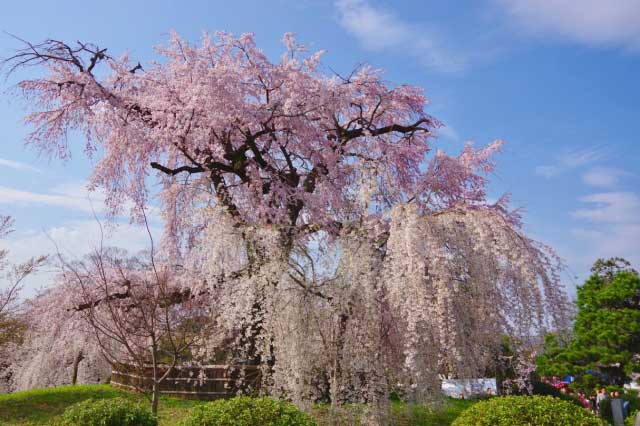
point(201, 382)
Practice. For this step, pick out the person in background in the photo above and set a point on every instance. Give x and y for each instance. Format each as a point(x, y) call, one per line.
point(592, 403)
point(583, 400)
point(489, 391)
point(625, 404)
point(601, 396)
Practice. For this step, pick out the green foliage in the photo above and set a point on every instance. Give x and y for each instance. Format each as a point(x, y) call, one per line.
point(608, 268)
point(585, 383)
point(526, 411)
point(545, 389)
point(632, 397)
point(41, 406)
point(114, 412)
point(400, 413)
point(630, 421)
point(46, 406)
point(246, 411)
point(605, 410)
point(554, 361)
point(606, 337)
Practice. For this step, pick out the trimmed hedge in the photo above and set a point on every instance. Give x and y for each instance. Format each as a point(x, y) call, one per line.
point(107, 412)
point(246, 411)
point(526, 411)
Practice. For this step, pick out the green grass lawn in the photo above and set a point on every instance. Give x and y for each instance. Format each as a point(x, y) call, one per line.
point(42, 406)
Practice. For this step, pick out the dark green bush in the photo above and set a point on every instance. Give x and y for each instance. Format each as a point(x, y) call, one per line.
point(545, 389)
point(605, 410)
point(245, 411)
point(526, 411)
point(633, 398)
point(107, 412)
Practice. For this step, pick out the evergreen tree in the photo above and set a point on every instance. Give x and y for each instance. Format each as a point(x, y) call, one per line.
point(606, 337)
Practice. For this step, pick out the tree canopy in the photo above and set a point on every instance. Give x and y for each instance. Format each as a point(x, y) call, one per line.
point(606, 335)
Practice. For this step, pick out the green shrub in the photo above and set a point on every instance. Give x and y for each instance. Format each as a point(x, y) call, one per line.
point(605, 410)
point(526, 411)
point(245, 411)
point(633, 398)
point(630, 421)
point(107, 412)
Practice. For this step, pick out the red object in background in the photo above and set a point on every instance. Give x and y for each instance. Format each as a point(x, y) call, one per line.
point(584, 401)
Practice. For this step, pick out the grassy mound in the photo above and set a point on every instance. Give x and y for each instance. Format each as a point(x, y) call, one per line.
point(43, 406)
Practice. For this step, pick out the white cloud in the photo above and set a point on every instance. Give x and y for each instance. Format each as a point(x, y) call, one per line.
point(590, 22)
point(77, 238)
point(608, 241)
point(548, 171)
point(603, 177)
point(380, 30)
point(449, 132)
point(68, 197)
point(610, 207)
point(571, 159)
point(610, 227)
point(16, 165)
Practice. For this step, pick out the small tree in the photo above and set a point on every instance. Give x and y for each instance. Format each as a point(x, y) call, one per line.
point(12, 328)
point(606, 338)
point(11, 278)
point(140, 311)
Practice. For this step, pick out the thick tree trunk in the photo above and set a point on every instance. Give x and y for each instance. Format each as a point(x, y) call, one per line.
point(336, 371)
point(268, 251)
point(76, 364)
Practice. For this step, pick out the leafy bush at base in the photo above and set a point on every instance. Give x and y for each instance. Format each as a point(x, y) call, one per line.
point(245, 411)
point(107, 412)
point(526, 411)
point(630, 421)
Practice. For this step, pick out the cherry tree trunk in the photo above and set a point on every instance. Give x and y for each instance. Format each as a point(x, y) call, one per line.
point(76, 364)
point(268, 250)
point(155, 396)
point(155, 389)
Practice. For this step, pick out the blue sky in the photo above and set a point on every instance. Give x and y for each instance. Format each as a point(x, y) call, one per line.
point(557, 80)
